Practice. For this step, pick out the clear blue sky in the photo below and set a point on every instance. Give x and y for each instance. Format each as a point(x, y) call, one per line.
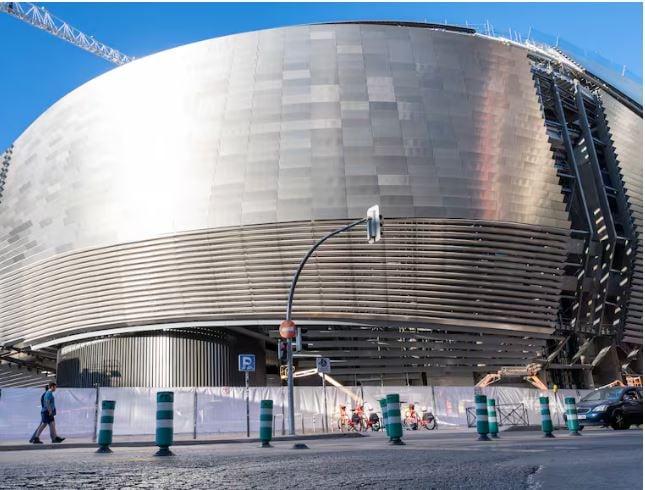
point(38, 69)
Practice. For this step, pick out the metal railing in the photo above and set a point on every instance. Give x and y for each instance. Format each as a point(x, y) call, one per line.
point(507, 414)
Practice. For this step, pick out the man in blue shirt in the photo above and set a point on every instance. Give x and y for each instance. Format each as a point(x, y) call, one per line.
point(47, 413)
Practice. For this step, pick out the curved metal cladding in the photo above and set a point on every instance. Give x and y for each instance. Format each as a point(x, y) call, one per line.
point(626, 129)
point(163, 359)
point(187, 185)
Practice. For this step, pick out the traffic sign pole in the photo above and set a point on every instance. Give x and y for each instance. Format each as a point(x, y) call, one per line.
point(325, 402)
point(246, 364)
point(292, 418)
point(248, 413)
point(323, 366)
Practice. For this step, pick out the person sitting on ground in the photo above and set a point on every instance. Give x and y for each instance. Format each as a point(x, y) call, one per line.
point(48, 412)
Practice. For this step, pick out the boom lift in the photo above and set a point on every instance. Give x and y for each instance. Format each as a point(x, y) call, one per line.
point(528, 373)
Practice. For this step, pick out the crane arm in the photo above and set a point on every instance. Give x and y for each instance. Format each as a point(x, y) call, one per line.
point(42, 19)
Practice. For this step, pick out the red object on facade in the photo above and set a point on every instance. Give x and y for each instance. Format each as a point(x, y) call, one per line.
point(287, 329)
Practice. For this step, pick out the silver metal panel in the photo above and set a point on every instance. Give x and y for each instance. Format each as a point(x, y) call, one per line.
point(178, 358)
point(187, 185)
point(252, 128)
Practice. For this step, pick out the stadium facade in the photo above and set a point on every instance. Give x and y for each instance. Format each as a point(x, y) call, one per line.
point(150, 221)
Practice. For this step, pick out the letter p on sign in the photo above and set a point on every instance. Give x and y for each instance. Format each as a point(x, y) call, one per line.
point(246, 362)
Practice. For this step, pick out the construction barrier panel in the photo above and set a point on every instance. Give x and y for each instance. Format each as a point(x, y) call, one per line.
point(206, 411)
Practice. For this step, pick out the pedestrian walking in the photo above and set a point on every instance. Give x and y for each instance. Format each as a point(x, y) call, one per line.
point(42, 404)
point(47, 414)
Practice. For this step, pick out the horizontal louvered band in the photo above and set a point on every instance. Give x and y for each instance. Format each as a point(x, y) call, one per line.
point(497, 275)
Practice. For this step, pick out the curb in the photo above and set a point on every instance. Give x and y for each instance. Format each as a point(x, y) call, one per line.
point(526, 428)
point(202, 442)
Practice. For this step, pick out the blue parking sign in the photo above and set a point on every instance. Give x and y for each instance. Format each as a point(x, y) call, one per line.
point(246, 362)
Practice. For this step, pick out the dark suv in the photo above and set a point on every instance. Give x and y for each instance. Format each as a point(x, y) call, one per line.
point(616, 407)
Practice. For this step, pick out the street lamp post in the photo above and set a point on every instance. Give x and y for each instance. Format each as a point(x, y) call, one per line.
point(374, 225)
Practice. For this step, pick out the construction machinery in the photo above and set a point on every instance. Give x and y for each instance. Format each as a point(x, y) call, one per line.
point(528, 373)
point(40, 18)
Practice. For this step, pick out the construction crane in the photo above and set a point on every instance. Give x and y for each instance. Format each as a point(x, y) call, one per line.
point(42, 19)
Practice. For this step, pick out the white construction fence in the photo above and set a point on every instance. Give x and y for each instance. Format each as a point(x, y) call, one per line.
point(210, 411)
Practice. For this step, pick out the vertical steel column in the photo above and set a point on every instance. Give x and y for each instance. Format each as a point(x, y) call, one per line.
point(608, 250)
point(579, 187)
point(627, 221)
point(194, 413)
point(96, 412)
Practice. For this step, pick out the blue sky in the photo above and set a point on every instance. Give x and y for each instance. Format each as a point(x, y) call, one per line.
point(38, 69)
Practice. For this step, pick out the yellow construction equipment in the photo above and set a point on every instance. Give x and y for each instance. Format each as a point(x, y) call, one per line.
point(616, 382)
point(328, 378)
point(527, 373)
point(634, 380)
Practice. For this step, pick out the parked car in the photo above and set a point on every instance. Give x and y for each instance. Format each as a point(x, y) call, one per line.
point(619, 407)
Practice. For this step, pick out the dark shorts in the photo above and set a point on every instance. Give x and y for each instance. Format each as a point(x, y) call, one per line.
point(46, 418)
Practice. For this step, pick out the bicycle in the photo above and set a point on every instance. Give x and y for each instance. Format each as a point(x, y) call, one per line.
point(374, 422)
point(428, 421)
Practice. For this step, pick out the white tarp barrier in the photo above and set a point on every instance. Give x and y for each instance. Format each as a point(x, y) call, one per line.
point(451, 403)
point(222, 410)
point(136, 409)
point(531, 400)
point(20, 412)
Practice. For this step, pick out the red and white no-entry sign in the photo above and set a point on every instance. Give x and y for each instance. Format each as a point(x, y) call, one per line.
point(287, 329)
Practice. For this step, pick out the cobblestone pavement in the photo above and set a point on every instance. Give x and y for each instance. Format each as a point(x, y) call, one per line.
point(429, 460)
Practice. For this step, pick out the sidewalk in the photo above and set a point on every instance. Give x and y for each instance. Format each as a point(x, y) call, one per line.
point(187, 437)
point(179, 440)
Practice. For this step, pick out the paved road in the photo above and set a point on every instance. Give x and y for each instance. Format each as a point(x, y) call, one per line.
point(598, 459)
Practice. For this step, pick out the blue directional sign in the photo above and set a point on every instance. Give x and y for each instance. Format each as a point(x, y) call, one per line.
point(246, 362)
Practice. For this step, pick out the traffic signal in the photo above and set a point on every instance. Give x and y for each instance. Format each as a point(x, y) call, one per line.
point(374, 224)
point(298, 340)
point(282, 351)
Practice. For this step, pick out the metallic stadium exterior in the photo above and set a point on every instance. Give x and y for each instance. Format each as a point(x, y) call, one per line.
point(150, 220)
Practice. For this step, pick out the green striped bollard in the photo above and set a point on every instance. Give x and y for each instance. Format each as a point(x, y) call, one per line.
point(394, 420)
point(266, 422)
point(163, 434)
point(545, 413)
point(383, 403)
point(482, 417)
point(493, 428)
point(572, 416)
point(105, 427)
